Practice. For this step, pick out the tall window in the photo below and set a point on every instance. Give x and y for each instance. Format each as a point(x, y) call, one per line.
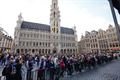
point(57, 24)
point(54, 23)
point(49, 37)
point(24, 35)
point(23, 43)
point(26, 43)
point(57, 30)
point(43, 36)
point(33, 43)
point(54, 14)
point(40, 43)
point(19, 43)
point(53, 29)
point(37, 44)
point(27, 35)
point(31, 35)
point(54, 5)
point(35, 35)
point(21, 34)
point(46, 44)
point(30, 43)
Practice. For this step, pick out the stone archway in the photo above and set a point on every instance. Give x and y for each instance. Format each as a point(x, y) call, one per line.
point(42, 51)
point(26, 51)
point(62, 51)
point(46, 51)
point(54, 50)
point(33, 50)
point(22, 51)
point(39, 51)
point(18, 51)
point(71, 51)
point(49, 51)
point(29, 50)
point(67, 51)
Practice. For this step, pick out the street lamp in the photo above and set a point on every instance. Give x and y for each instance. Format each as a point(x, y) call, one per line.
point(115, 19)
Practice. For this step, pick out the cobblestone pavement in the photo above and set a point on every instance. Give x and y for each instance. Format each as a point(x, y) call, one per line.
point(110, 71)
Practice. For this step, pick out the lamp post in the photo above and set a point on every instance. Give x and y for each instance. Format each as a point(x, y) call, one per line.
point(115, 20)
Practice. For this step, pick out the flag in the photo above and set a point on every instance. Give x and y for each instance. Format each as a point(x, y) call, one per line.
point(116, 4)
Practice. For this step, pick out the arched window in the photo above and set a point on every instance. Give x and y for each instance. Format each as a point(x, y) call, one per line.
point(26, 43)
point(53, 29)
point(70, 50)
point(33, 50)
point(43, 43)
point(23, 44)
point(26, 50)
point(31, 35)
point(27, 35)
point(54, 5)
point(46, 51)
point(30, 43)
point(42, 50)
point(33, 43)
point(40, 43)
point(57, 24)
point(37, 44)
point(61, 50)
point(18, 51)
point(39, 50)
point(57, 30)
point(54, 14)
point(46, 44)
point(49, 51)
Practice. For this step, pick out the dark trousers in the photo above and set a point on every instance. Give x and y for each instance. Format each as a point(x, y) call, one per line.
point(8, 78)
point(57, 73)
point(62, 69)
point(29, 76)
point(52, 73)
point(41, 74)
point(70, 70)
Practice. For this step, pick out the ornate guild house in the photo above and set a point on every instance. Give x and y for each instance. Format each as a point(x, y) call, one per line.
point(40, 38)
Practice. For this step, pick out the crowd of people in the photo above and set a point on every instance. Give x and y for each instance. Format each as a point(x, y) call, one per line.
point(51, 67)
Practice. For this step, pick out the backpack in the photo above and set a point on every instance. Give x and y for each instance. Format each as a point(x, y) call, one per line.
point(4, 72)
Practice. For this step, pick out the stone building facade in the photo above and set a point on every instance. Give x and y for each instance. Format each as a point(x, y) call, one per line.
point(113, 42)
point(99, 41)
point(6, 42)
point(40, 38)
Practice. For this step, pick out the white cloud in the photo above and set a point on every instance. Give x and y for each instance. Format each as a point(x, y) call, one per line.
point(84, 21)
point(39, 11)
point(91, 22)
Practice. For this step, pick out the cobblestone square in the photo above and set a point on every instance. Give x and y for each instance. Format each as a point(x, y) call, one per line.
point(109, 71)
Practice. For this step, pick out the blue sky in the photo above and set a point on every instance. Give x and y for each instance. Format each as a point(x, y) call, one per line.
point(87, 15)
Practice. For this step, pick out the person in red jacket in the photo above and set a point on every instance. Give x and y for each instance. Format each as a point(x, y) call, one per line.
point(62, 66)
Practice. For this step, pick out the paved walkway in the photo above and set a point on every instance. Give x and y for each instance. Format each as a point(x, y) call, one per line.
point(109, 71)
